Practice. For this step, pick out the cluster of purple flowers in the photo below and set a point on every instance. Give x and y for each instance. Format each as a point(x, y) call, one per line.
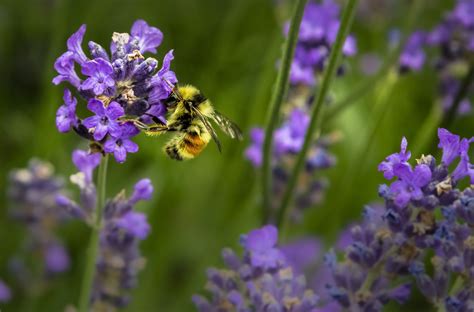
point(426, 216)
point(317, 34)
point(121, 84)
point(122, 229)
point(261, 280)
point(288, 141)
point(453, 42)
point(32, 193)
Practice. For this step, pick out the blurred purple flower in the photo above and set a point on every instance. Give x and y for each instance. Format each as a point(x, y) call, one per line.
point(260, 244)
point(86, 162)
point(413, 56)
point(56, 259)
point(5, 292)
point(135, 223)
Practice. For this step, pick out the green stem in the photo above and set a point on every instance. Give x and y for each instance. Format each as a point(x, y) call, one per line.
point(88, 279)
point(463, 90)
point(316, 116)
point(427, 130)
point(279, 91)
point(389, 63)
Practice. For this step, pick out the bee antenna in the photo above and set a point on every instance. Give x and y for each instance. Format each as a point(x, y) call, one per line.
point(173, 89)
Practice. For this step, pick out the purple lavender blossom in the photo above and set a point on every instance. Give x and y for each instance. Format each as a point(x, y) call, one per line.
point(66, 117)
point(135, 224)
point(56, 259)
point(244, 286)
point(149, 38)
point(105, 119)
point(121, 83)
point(32, 195)
point(86, 162)
point(426, 218)
point(122, 229)
point(413, 56)
point(453, 42)
point(100, 73)
point(288, 141)
point(260, 244)
point(397, 158)
point(5, 292)
point(143, 191)
point(121, 145)
point(317, 34)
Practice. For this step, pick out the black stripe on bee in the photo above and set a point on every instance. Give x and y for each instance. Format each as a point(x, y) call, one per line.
point(173, 152)
point(198, 98)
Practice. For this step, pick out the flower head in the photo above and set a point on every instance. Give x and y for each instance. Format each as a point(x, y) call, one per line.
point(122, 82)
point(317, 34)
point(249, 284)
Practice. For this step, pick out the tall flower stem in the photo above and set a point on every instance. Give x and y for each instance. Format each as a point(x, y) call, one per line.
point(279, 91)
point(88, 279)
point(316, 116)
point(463, 90)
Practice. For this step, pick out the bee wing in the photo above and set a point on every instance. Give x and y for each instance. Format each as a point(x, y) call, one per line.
point(209, 128)
point(228, 126)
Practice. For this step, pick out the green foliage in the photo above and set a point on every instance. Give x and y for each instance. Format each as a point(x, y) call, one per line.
point(228, 49)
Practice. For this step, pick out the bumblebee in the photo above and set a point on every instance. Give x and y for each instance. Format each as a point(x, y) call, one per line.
point(190, 116)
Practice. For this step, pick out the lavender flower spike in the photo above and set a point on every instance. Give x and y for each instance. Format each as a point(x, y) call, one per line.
point(265, 283)
point(123, 80)
point(426, 218)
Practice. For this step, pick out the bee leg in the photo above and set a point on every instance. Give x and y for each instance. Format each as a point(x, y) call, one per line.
point(155, 119)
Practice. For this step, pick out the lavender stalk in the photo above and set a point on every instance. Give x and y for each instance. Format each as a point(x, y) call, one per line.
point(87, 282)
point(279, 92)
point(460, 95)
point(315, 123)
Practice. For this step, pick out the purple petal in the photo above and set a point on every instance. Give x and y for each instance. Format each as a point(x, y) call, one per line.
point(450, 144)
point(143, 190)
point(421, 175)
point(403, 172)
point(91, 122)
point(96, 106)
point(130, 146)
point(402, 195)
point(135, 223)
point(262, 239)
point(109, 145)
point(120, 154)
point(149, 38)
point(74, 44)
point(56, 258)
point(114, 111)
point(86, 162)
point(100, 131)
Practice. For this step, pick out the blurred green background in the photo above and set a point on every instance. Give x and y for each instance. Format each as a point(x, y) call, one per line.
point(230, 50)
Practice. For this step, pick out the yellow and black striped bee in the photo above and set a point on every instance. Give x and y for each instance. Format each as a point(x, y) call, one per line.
point(190, 115)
